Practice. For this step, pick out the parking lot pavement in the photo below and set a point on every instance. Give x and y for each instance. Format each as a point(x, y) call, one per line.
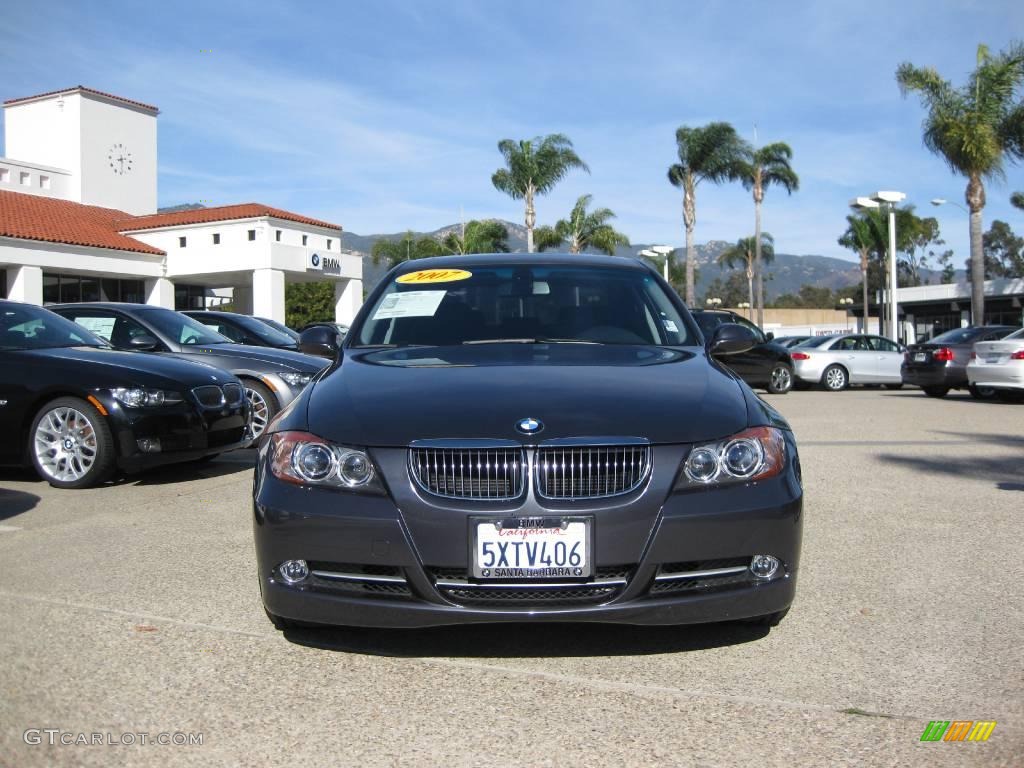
point(134, 608)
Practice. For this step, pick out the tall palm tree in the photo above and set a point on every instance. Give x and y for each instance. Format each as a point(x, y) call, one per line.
point(861, 236)
point(744, 253)
point(711, 153)
point(761, 168)
point(1017, 200)
point(975, 128)
point(534, 167)
point(583, 230)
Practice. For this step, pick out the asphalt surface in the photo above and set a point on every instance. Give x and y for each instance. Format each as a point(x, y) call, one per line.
point(134, 609)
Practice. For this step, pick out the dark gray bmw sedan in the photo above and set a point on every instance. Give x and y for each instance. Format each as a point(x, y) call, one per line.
point(527, 438)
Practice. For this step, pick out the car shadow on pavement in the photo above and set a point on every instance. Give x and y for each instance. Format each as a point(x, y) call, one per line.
point(517, 641)
point(1004, 471)
point(225, 464)
point(15, 502)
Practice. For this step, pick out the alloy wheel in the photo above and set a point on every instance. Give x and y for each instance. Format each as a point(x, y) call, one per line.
point(782, 380)
point(65, 442)
point(835, 378)
point(259, 412)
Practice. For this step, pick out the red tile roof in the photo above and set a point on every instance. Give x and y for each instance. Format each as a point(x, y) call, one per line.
point(33, 217)
point(83, 89)
point(223, 213)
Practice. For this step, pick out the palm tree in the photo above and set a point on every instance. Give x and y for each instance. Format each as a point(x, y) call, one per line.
point(534, 167)
point(392, 252)
point(478, 237)
point(583, 230)
point(743, 254)
point(712, 153)
point(861, 236)
point(761, 168)
point(1017, 200)
point(975, 129)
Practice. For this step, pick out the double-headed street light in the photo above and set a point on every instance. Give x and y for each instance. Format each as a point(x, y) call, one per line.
point(659, 251)
point(887, 199)
point(713, 302)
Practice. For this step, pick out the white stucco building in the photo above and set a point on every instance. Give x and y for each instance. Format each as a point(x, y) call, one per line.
point(78, 220)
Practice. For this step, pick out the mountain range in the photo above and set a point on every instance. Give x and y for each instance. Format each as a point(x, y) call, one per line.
point(788, 272)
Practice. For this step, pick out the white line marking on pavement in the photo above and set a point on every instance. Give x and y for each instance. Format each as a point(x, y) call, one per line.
point(8, 528)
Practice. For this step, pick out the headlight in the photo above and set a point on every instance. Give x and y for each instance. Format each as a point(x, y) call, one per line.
point(755, 454)
point(296, 379)
point(305, 459)
point(137, 397)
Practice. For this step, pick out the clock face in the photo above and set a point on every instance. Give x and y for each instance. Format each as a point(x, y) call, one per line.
point(120, 159)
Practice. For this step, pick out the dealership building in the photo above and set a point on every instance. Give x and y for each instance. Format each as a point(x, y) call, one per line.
point(79, 220)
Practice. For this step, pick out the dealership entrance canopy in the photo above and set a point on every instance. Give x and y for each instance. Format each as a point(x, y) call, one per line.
point(78, 221)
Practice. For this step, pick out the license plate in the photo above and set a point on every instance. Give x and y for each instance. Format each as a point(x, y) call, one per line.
point(993, 358)
point(920, 357)
point(531, 548)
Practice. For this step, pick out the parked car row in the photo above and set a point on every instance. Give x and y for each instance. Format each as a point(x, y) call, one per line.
point(87, 389)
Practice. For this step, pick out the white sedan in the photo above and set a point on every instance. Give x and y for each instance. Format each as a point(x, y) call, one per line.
point(999, 365)
point(849, 358)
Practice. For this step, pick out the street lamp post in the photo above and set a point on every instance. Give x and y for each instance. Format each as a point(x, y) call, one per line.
point(887, 198)
point(713, 302)
point(845, 304)
point(662, 251)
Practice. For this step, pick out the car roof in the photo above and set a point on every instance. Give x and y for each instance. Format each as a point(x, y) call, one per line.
point(526, 259)
point(122, 305)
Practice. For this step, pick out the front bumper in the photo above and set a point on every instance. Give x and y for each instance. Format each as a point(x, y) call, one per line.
point(363, 534)
point(184, 432)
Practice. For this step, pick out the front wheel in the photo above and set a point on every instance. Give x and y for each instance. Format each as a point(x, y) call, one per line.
point(936, 391)
point(834, 378)
point(70, 444)
point(781, 379)
point(981, 393)
point(263, 407)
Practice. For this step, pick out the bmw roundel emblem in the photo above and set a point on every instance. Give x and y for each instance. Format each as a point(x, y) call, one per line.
point(315, 259)
point(529, 425)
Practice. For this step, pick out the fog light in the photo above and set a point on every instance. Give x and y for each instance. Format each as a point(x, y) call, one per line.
point(293, 571)
point(764, 566)
point(149, 444)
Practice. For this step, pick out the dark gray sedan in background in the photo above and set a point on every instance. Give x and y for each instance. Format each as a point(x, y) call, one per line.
point(527, 438)
point(272, 377)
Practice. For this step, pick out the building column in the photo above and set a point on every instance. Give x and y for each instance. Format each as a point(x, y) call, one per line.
point(241, 299)
point(348, 298)
point(268, 294)
point(25, 284)
point(160, 293)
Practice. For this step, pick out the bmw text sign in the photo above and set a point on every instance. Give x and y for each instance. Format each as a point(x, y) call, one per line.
point(330, 265)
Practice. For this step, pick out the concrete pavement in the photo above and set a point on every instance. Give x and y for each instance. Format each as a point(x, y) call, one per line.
point(134, 608)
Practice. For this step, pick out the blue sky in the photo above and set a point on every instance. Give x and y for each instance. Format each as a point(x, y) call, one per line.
point(384, 116)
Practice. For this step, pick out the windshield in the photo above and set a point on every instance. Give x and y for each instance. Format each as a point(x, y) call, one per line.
point(1016, 335)
point(524, 304)
point(292, 334)
point(182, 329)
point(263, 331)
point(957, 336)
point(28, 327)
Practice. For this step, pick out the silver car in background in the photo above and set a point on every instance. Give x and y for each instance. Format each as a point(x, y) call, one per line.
point(838, 361)
point(1000, 365)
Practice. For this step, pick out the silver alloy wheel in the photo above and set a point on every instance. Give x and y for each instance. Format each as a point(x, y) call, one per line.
point(781, 379)
point(835, 378)
point(259, 412)
point(65, 444)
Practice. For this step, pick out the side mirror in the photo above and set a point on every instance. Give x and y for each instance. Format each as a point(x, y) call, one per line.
point(320, 341)
point(770, 336)
point(730, 339)
point(143, 343)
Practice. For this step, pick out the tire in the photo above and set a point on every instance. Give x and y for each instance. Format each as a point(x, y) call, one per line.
point(70, 444)
point(981, 393)
point(263, 407)
point(780, 381)
point(768, 620)
point(894, 386)
point(936, 391)
point(835, 378)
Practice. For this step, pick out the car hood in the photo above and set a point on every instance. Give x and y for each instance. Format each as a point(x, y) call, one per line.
point(392, 397)
point(101, 366)
point(260, 356)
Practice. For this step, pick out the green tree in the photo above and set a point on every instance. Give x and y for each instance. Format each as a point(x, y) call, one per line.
point(762, 168)
point(976, 129)
point(582, 230)
point(860, 237)
point(923, 234)
point(810, 297)
point(308, 303)
point(392, 252)
point(1004, 251)
point(744, 253)
point(478, 237)
point(712, 153)
point(731, 289)
point(1017, 200)
point(945, 260)
point(534, 167)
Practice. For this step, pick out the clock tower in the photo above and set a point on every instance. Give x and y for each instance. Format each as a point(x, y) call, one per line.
point(106, 144)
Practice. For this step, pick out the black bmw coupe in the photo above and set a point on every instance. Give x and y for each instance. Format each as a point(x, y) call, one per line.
point(527, 438)
point(76, 409)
